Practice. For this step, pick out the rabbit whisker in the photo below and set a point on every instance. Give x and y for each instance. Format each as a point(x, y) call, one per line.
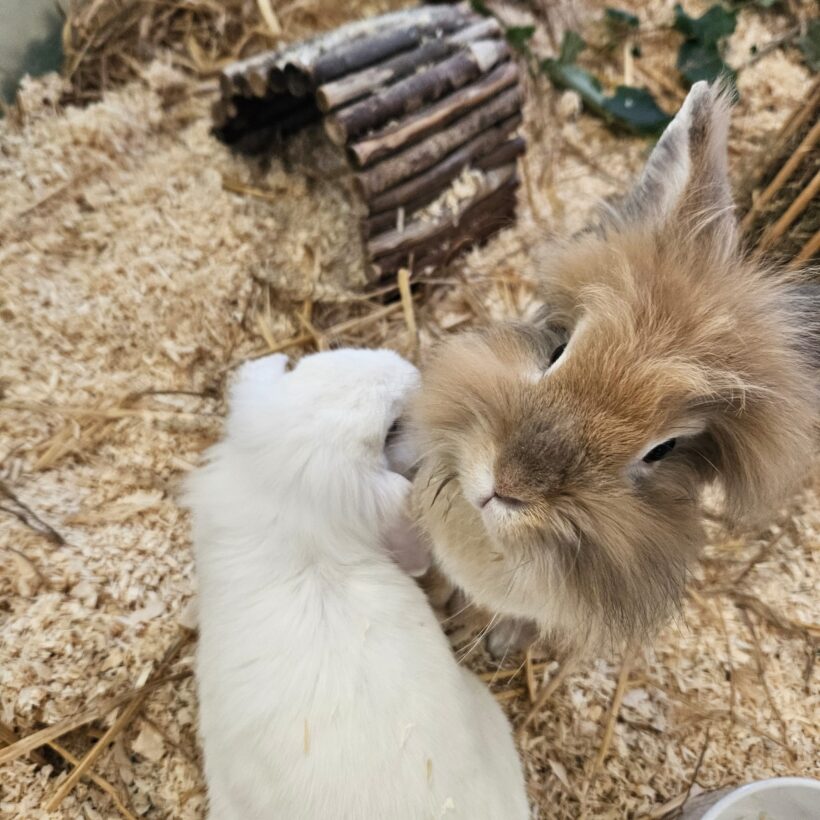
point(442, 484)
point(501, 666)
point(458, 612)
point(699, 453)
point(472, 646)
point(477, 640)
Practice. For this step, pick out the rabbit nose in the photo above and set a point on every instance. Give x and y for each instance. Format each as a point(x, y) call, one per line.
point(536, 463)
point(506, 500)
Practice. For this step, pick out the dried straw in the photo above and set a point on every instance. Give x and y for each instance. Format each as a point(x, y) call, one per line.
point(105, 44)
point(781, 192)
point(116, 727)
point(44, 736)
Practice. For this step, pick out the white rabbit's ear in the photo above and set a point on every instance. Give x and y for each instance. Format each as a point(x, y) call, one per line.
point(687, 177)
point(263, 370)
point(255, 387)
point(256, 376)
point(400, 536)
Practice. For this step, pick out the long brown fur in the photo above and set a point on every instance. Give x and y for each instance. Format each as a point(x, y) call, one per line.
point(673, 333)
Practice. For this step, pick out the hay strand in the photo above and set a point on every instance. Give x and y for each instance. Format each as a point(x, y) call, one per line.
point(783, 175)
point(27, 516)
point(407, 308)
point(569, 664)
point(116, 727)
point(612, 715)
point(807, 195)
point(808, 250)
point(8, 736)
point(98, 781)
point(269, 16)
point(532, 686)
point(43, 736)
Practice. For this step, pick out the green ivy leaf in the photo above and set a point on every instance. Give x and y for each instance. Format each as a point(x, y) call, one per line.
point(711, 27)
point(638, 107)
point(700, 61)
point(618, 18)
point(699, 57)
point(631, 108)
point(480, 8)
point(571, 46)
point(519, 36)
point(570, 76)
point(809, 44)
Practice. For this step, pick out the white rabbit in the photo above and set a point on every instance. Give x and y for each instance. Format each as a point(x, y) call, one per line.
point(327, 688)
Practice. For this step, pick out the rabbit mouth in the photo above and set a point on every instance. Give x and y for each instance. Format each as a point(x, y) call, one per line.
point(503, 516)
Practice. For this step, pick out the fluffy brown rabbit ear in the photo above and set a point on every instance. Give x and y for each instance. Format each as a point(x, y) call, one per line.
point(686, 179)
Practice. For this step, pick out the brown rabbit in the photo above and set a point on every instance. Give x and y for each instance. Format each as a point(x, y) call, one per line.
point(565, 460)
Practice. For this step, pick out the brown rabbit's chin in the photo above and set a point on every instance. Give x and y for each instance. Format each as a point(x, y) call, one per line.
point(576, 588)
point(500, 573)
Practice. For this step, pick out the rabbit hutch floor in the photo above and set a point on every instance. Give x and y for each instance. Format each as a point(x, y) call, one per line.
point(131, 246)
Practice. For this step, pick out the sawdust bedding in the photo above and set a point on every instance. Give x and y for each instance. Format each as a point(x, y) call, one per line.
point(134, 261)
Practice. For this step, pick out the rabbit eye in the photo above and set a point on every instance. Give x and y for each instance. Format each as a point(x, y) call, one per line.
point(661, 450)
point(557, 353)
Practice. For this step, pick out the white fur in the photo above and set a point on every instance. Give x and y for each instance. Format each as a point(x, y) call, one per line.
point(327, 688)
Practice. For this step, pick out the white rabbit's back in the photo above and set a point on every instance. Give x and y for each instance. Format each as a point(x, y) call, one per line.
point(343, 700)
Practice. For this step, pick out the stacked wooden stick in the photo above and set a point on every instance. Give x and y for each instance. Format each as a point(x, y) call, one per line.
point(412, 98)
point(782, 215)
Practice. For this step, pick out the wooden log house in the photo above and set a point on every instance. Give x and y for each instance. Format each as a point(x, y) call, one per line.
point(412, 99)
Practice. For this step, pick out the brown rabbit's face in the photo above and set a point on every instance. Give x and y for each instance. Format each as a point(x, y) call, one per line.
point(565, 459)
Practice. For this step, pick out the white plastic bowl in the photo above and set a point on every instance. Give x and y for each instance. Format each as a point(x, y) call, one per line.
point(780, 798)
